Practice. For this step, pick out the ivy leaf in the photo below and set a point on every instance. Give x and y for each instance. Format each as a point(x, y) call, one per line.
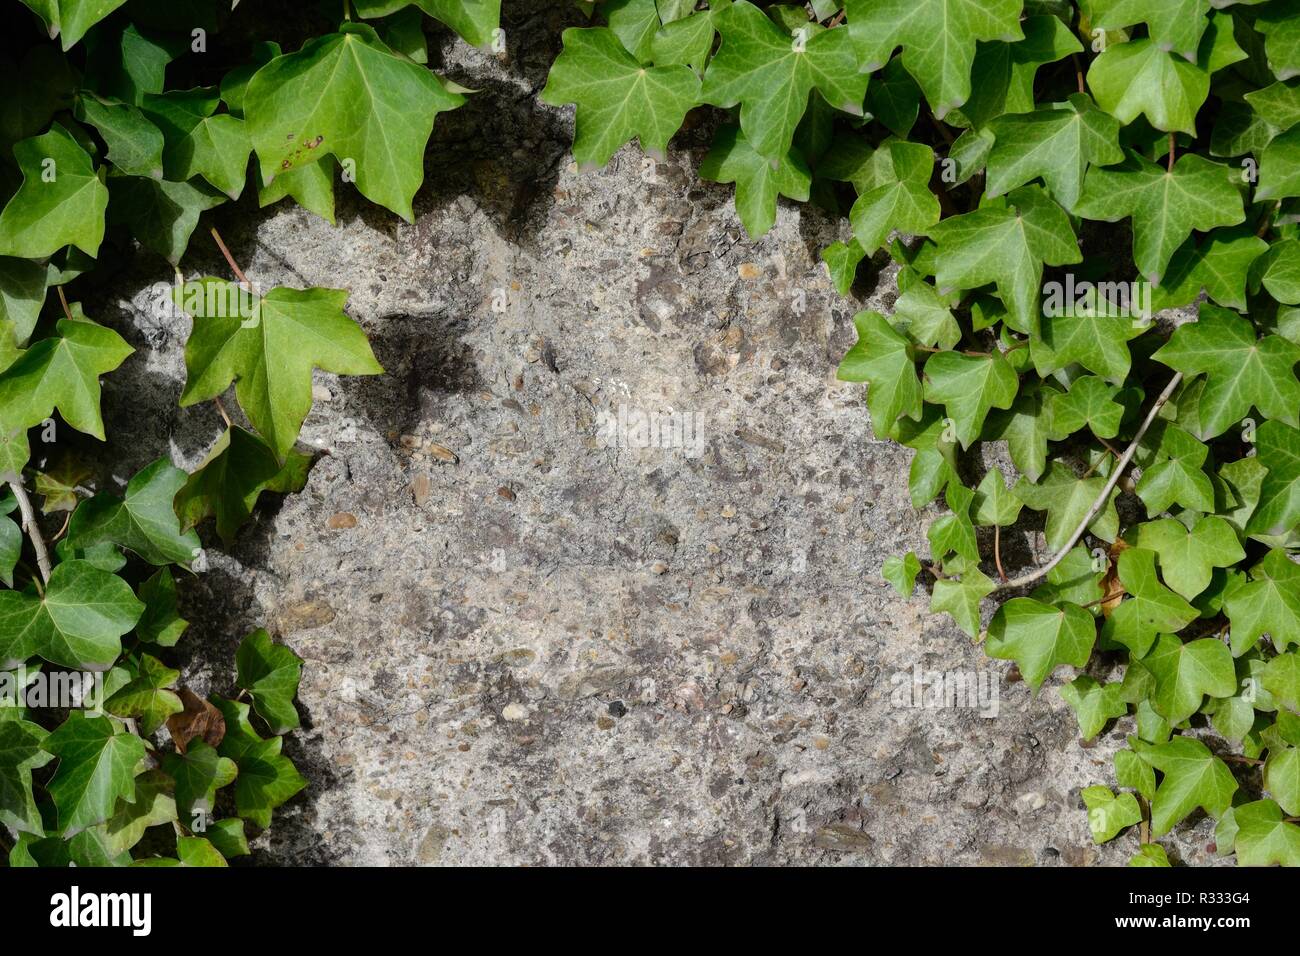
point(960, 598)
point(1176, 475)
point(199, 773)
point(1174, 25)
point(1193, 777)
point(349, 96)
point(1040, 637)
point(97, 767)
point(617, 98)
point(22, 293)
point(70, 19)
point(77, 624)
point(1165, 205)
point(1134, 772)
point(270, 673)
point(1219, 264)
point(1094, 340)
point(1278, 271)
point(62, 372)
point(1024, 428)
point(266, 778)
point(228, 837)
point(161, 214)
point(903, 202)
point(881, 357)
point(161, 622)
point(758, 182)
point(1241, 370)
point(687, 41)
point(769, 74)
point(135, 145)
point(474, 20)
point(200, 141)
point(1282, 778)
point(1150, 608)
point(894, 98)
point(995, 503)
point(1277, 105)
point(147, 695)
point(271, 354)
point(1057, 144)
point(1093, 704)
point(968, 386)
point(226, 486)
point(61, 201)
point(938, 39)
point(1278, 449)
point(1090, 403)
point(1281, 40)
point(1281, 678)
point(1135, 78)
point(901, 572)
point(1186, 672)
point(1279, 167)
point(1263, 837)
point(1268, 604)
point(1006, 241)
point(144, 521)
point(1066, 499)
point(1108, 813)
point(1150, 855)
point(954, 532)
point(21, 751)
point(1075, 579)
point(1002, 76)
point(1187, 558)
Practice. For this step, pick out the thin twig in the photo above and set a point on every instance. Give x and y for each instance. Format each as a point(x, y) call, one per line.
point(997, 551)
point(225, 416)
point(67, 310)
point(1173, 143)
point(230, 260)
point(1078, 72)
point(1097, 505)
point(32, 528)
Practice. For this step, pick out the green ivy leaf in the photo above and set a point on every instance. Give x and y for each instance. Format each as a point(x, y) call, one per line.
point(70, 19)
point(1093, 704)
point(1006, 241)
point(758, 182)
point(144, 521)
point(1187, 558)
point(347, 95)
point(960, 598)
point(902, 201)
point(1175, 474)
point(1263, 837)
point(882, 358)
point(902, 572)
point(1174, 25)
point(1165, 205)
point(266, 778)
point(1268, 604)
point(269, 355)
point(199, 140)
point(1108, 813)
point(1139, 78)
point(270, 673)
point(1057, 144)
point(769, 74)
point(1193, 777)
point(135, 145)
point(1278, 450)
point(161, 214)
point(968, 386)
point(1150, 854)
point(474, 20)
point(62, 372)
point(938, 39)
point(1066, 499)
point(198, 773)
point(1150, 608)
point(147, 695)
point(61, 202)
point(161, 622)
point(97, 767)
point(78, 623)
point(22, 750)
point(617, 98)
point(1040, 637)
point(1186, 672)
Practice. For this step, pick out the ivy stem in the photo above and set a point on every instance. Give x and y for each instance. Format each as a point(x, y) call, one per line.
point(1173, 142)
point(1267, 222)
point(230, 261)
point(1237, 758)
point(1078, 72)
point(997, 552)
point(225, 416)
point(63, 299)
point(32, 529)
point(1113, 480)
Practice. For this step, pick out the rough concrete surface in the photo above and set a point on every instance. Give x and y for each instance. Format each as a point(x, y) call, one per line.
point(556, 650)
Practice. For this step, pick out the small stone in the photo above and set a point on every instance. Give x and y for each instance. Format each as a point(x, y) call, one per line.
point(341, 521)
point(421, 489)
point(659, 568)
point(506, 493)
point(319, 393)
point(616, 708)
point(749, 270)
point(441, 452)
point(515, 712)
point(604, 723)
point(532, 355)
